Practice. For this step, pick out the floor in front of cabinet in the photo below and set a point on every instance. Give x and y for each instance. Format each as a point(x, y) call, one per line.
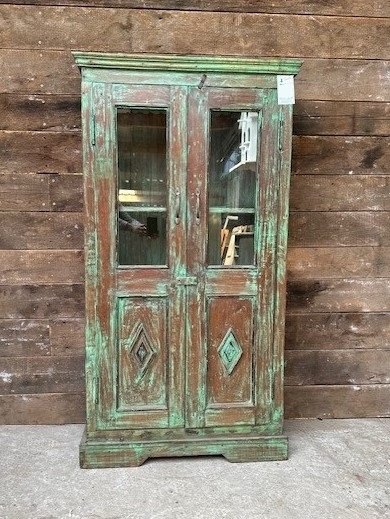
point(337, 469)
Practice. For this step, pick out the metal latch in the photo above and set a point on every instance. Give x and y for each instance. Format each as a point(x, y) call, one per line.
point(186, 281)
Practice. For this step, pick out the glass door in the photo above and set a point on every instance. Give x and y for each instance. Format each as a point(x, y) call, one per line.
point(140, 177)
point(229, 160)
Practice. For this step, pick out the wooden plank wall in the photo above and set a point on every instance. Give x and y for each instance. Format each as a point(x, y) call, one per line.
point(338, 325)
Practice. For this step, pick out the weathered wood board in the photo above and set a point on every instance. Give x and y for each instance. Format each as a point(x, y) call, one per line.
point(41, 301)
point(341, 401)
point(40, 152)
point(18, 267)
point(193, 32)
point(376, 8)
point(61, 112)
point(336, 331)
point(43, 408)
point(338, 262)
point(42, 375)
point(39, 337)
point(54, 72)
point(44, 230)
point(341, 118)
point(339, 229)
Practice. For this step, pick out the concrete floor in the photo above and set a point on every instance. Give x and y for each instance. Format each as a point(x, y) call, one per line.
point(337, 469)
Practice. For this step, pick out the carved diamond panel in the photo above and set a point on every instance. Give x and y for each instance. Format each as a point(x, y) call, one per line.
point(142, 348)
point(230, 351)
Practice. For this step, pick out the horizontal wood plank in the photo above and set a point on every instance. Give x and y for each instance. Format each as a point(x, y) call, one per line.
point(66, 192)
point(53, 408)
point(50, 72)
point(39, 231)
point(343, 80)
point(24, 192)
point(24, 338)
point(339, 229)
point(330, 331)
point(338, 262)
point(339, 295)
point(41, 301)
point(41, 192)
point(40, 112)
point(32, 230)
point(356, 401)
point(376, 8)
point(193, 32)
point(67, 337)
point(57, 152)
point(341, 155)
point(40, 152)
point(18, 267)
point(39, 337)
point(340, 193)
point(341, 118)
point(22, 375)
point(61, 113)
point(54, 72)
point(337, 367)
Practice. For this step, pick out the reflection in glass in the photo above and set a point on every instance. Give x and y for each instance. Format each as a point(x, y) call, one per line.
point(142, 179)
point(232, 187)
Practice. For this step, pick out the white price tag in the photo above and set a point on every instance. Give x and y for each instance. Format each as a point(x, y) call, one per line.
point(286, 95)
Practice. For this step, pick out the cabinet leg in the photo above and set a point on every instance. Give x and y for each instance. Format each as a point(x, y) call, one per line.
point(251, 453)
point(91, 460)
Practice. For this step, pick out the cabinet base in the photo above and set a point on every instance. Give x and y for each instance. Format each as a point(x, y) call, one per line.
point(111, 453)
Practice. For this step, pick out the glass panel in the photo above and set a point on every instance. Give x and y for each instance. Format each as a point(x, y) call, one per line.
point(142, 186)
point(232, 187)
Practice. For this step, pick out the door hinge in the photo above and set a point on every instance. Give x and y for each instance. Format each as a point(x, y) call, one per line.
point(97, 390)
point(280, 134)
point(260, 119)
point(92, 130)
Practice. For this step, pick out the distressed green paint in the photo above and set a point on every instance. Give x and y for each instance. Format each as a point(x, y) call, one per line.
point(185, 424)
point(176, 63)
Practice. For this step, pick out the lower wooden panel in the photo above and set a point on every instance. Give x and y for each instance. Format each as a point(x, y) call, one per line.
point(229, 361)
point(105, 453)
point(142, 354)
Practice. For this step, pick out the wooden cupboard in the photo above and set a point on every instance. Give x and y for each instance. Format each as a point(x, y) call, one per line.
point(186, 178)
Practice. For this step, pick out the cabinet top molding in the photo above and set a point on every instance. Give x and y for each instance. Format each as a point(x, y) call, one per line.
point(177, 63)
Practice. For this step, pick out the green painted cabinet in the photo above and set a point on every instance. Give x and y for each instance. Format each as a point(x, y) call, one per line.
point(186, 169)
